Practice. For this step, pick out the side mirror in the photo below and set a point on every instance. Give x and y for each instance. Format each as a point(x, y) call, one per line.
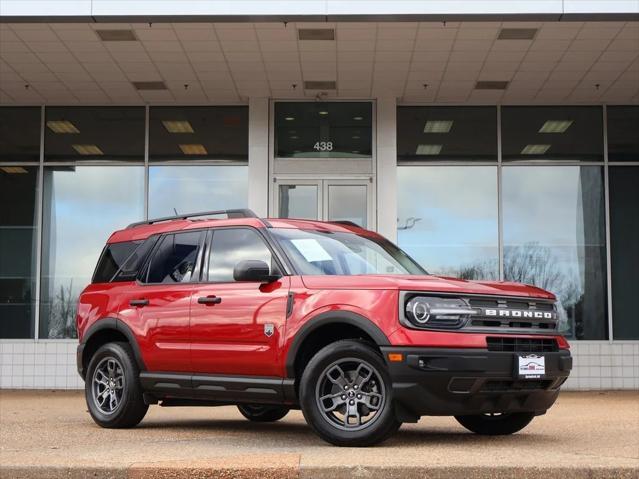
point(254, 271)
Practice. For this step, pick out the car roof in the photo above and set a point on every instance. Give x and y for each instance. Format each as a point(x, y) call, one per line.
point(138, 232)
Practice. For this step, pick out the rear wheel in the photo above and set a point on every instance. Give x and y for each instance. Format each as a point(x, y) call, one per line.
point(496, 424)
point(262, 412)
point(112, 387)
point(346, 395)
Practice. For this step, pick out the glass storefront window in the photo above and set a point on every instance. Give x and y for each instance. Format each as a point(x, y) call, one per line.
point(623, 133)
point(554, 238)
point(84, 134)
point(198, 133)
point(298, 201)
point(431, 134)
point(189, 189)
point(18, 237)
point(82, 206)
point(624, 249)
point(447, 219)
point(323, 129)
point(19, 134)
point(549, 133)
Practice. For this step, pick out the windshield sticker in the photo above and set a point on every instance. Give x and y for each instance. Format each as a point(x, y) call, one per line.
point(311, 250)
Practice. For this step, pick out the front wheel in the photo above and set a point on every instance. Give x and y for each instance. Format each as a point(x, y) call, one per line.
point(346, 395)
point(262, 412)
point(496, 424)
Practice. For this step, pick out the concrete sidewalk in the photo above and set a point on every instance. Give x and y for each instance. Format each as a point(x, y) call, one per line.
point(50, 434)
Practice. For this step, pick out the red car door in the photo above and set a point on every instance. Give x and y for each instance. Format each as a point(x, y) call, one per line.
point(236, 326)
point(158, 309)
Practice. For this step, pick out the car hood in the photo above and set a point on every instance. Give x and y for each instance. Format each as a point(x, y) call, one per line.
point(429, 283)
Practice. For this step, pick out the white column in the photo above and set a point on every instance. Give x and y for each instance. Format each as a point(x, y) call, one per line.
point(258, 156)
point(387, 167)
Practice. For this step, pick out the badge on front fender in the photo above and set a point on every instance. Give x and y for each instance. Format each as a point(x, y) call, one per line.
point(269, 329)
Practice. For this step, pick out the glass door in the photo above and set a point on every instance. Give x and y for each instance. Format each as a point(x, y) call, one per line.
point(326, 200)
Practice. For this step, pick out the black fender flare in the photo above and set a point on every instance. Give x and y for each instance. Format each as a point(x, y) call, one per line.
point(119, 326)
point(332, 317)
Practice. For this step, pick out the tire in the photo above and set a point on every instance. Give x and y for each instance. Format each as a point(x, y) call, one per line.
point(496, 425)
point(262, 412)
point(346, 395)
point(112, 387)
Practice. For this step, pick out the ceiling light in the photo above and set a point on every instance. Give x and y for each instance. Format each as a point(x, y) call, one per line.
point(357, 118)
point(355, 137)
point(117, 35)
point(535, 149)
point(193, 149)
point(87, 149)
point(555, 126)
point(316, 34)
point(438, 126)
point(320, 85)
point(149, 85)
point(13, 169)
point(491, 85)
point(355, 151)
point(62, 126)
point(428, 149)
point(323, 112)
point(517, 34)
point(289, 118)
point(177, 126)
point(294, 137)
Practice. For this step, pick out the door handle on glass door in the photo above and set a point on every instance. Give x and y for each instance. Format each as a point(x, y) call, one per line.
point(209, 300)
point(139, 302)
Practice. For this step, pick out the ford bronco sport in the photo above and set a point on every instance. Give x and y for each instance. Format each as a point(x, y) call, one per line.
point(280, 314)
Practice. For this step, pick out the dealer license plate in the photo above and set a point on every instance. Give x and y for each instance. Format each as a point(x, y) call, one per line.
point(531, 366)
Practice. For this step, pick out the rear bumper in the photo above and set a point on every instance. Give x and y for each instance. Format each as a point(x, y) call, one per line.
point(78, 359)
point(447, 382)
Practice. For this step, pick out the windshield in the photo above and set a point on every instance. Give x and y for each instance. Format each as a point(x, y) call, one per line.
point(331, 253)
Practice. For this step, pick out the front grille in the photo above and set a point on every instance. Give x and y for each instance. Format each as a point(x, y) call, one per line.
point(498, 385)
point(521, 315)
point(522, 345)
point(445, 323)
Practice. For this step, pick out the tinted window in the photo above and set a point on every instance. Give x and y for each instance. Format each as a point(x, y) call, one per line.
point(623, 133)
point(229, 247)
point(432, 134)
point(624, 244)
point(19, 134)
point(564, 133)
point(323, 130)
point(174, 259)
point(113, 258)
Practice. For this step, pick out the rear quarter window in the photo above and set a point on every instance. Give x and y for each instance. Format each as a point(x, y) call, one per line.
point(121, 261)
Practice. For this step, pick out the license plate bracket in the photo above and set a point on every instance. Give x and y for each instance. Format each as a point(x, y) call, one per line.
point(530, 366)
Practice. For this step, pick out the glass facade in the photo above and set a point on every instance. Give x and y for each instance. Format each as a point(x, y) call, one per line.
point(95, 178)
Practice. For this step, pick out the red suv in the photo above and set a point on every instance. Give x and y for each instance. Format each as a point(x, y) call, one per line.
point(279, 314)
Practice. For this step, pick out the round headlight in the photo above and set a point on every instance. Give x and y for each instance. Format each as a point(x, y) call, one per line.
point(418, 309)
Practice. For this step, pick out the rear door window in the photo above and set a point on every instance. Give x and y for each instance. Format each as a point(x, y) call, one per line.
point(175, 258)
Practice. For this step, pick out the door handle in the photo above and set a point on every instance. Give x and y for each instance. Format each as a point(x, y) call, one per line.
point(139, 302)
point(209, 300)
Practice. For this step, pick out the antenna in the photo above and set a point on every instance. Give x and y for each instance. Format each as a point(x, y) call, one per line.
point(175, 211)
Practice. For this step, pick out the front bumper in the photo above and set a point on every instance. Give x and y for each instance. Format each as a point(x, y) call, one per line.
point(451, 382)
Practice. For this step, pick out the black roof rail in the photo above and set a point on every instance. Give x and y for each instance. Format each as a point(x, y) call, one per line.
point(345, 223)
point(236, 213)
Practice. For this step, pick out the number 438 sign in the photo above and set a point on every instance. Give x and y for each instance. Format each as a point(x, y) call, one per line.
point(323, 146)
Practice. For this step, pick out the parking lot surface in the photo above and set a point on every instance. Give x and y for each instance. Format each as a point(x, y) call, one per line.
point(50, 434)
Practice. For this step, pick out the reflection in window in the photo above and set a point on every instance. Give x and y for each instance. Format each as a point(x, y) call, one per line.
point(554, 238)
point(189, 189)
point(348, 203)
point(565, 133)
point(624, 249)
point(447, 219)
point(298, 201)
point(19, 134)
point(623, 133)
point(18, 236)
point(94, 134)
point(323, 129)
point(174, 259)
point(82, 207)
point(433, 134)
point(229, 247)
point(198, 133)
